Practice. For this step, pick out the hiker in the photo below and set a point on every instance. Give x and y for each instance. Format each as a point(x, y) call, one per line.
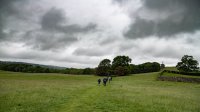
point(99, 82)
point(105, 81)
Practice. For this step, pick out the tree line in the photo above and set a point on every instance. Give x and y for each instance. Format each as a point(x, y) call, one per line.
point(121, 66)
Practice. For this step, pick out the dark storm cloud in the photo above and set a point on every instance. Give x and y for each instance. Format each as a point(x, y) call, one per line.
point(54, 20)
point(182, 16)
point(140, 28)
point(14, 9)
point(5, 10)
point(55, 31)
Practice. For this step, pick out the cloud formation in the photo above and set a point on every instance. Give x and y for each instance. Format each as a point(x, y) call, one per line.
point(165, 18)
point(77, 33)
point(55, 20)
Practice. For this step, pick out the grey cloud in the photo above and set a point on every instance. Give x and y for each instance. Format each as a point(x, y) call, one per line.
point(54, 34)
point(6, 7)
point(90, 52)
point(140, 28)
point(125, 47)
point(4, 53)
point(15, 11)
point(79, 60)
point(166, 52)
point(120, 1)
point(5, 10)
point(54, 20)
point(183, 17)
point(48, 40)
point(107, 41)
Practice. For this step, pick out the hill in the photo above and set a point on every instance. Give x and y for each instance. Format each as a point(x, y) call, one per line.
point(24, 63)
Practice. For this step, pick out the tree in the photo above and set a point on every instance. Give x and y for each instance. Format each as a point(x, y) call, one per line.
point(120, 71)
point(155, 67)
point(121, 61)
point(187, 64)
point(120, 65)
point(88, 71)
point(105, 63)
point(104, 67)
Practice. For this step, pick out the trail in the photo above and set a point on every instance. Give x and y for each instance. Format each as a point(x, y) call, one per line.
point(87, 99)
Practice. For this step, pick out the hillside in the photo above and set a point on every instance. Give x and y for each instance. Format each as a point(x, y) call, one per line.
point(33, 64)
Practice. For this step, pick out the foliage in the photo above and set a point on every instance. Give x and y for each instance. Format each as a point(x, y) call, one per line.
point(121, 61)
point(145, 67)
point(120, 71)
point(88, 71)
point(187, 64)
point(105, 63)
point(121, 66)
point(103, 68)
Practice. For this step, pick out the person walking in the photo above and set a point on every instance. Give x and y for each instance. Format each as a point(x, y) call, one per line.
point(105, 81)
point(99, 82)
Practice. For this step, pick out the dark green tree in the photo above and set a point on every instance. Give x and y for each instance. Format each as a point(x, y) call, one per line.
point(120, 65)
point(187, 64)
point(105, 63)
point(88, 71)
point(121, 71)
point(104, 67)
point(121, 61)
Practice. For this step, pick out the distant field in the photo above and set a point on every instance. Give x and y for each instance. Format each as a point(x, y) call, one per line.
point(171, 68)
point(26, 92)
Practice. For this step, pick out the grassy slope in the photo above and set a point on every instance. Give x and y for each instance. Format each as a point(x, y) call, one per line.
point(20, 92)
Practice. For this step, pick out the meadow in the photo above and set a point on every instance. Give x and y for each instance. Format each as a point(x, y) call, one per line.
point(40, 92)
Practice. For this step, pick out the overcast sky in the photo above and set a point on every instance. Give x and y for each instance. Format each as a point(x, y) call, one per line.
point(80, 33)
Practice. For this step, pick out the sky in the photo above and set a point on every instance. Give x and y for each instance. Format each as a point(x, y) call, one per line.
point(81, 33)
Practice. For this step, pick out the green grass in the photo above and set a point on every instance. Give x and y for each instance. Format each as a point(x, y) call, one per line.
point(25, 92)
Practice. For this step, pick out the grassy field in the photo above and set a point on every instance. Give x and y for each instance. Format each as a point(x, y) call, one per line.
point(23, 92)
